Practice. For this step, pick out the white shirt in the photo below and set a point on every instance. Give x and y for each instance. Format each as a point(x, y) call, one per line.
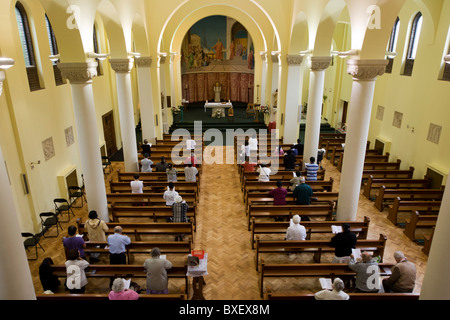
point(253, 143)
point(190, 174)
point(146, 165)
point(170, 196)
point(264, 174)
point(190, 144)
point(296, 232)
point(137, 186)
point(331, 295)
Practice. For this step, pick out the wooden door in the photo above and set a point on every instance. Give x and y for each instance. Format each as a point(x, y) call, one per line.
point(109, 133)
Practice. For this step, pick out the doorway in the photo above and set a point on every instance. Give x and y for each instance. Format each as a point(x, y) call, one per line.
point(109, 132)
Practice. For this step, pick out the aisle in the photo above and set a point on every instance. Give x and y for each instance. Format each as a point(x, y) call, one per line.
point(222, 233)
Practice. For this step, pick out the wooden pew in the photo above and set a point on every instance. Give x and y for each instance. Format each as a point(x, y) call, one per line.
point(157, 198)
point(424, 207)
point(374, 182)
point(317, 247)
point(122, 270)
point(269, 295)
point(144, 199)
point(368, 158)
point(419, 221)
point(104, 296)
point(327, 270)
point(288, 211)
point(386, 174)
point(428, 239)
point(157, 186)
point(337, 153)
point(386, 196)
point(152, 213)
point(360, 228)
point(150, 176)
point(280, 175)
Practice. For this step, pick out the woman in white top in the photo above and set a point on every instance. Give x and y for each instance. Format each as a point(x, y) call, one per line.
point(170, 194)
point(296, 231)
point(253, 142)
point(137, 186)
point(335, 293)
point(75, 266)
point(264, 173)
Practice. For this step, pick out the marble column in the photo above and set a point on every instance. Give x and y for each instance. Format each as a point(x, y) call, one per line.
point(123, 67)
point(15, 277)
point(263, 78)
point(162, 79)
point(80, 77)
point(317, 65)
point(364, 73)
point(293, 98)
point(435, 282)
point(275, 77)
point(146, 98)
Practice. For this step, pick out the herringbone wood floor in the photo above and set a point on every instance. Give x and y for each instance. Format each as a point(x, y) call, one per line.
point(222, 233)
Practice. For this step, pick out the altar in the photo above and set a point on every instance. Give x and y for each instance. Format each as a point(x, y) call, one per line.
point(218, 108)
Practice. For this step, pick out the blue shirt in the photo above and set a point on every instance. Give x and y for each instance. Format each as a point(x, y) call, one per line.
point(117, 243)
point(311, 171)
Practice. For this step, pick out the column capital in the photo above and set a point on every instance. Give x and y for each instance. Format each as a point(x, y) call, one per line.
point(162, 56)
point(319, 63)
point(121, 65)
point(2, 78)
point(143, 62)
point(366, 70)
point(263, 55)
point(294, 59)
point(78, 72)
point(275, 55)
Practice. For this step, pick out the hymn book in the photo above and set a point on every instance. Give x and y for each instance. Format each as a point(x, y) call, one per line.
point(325, 283)
point(336, 229)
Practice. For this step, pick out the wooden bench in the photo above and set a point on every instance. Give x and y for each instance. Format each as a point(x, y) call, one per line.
point(317, 247)
point(157, 198)
point(328, 270)
point(374, 183)
point(386, 174)
point(122, 270)
point(368, 158)
point(151, 176)
point(419, 221)
point(157, 186)
point(288, 211)
point(104, 296)
point(269, 295)
point(280, 175)
point(360, 228)
point(399, 206)
point(387, 196)
point(147, 228)
point(337, 153)
point(427, 240)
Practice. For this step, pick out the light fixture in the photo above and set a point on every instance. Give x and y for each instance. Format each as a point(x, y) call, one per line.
point(447, 58)
point(6, 63)
point(305, 52)
point(54, 57)
point(99, 56)
point(33, 163)
point(134, 54)
point(353, 52)
point(391, 54)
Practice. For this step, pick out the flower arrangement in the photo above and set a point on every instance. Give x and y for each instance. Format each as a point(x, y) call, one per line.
point(265, 109)
point(175, 109)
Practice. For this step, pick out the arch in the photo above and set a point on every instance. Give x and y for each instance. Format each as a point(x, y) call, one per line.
point(299, 35)
point(414, 36)
point(26, 39)
point(392, 44)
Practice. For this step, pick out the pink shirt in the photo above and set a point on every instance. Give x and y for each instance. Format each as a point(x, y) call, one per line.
point(123, 295)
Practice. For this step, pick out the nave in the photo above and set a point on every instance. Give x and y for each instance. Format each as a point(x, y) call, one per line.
point(222, 232)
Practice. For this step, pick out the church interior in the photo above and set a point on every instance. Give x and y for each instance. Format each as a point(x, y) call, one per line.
point(84, 82)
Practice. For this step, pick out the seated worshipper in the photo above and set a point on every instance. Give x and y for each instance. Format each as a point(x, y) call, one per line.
point(320, 154)
point(156, 269)
point(76, 278)
point(403, 277)
point(118, 291)
point(171, 173)
point(294, 150)
point(367, 273)
point(117, 243)
point(299, 146)
point(146, 163)
point(137, 186)
point(264, 173)
point(190, 144)
point(161, 166)
point(289, 160)
point(146, 148)
point(336, 292)
point(190, 173)
point(191, 159)
point(296, 231)
point(96, 229)
point(303, 193)
point(74, 241)
point(170, 194)
point(279, 194)
point(279, 151)
point(311, 169)
point(343, 243)
point(253, 142)
point(179, 214)
point(295, 181)
point(249, 166)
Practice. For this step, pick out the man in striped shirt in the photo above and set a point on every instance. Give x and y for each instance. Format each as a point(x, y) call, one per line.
point(311, 169)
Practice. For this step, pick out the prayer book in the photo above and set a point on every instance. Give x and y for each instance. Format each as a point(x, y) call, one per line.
point(126, 283)
point(336, 229)
point(356, 254)
point(326, 283)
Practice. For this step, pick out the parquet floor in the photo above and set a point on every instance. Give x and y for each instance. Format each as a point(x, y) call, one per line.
point(222, 233)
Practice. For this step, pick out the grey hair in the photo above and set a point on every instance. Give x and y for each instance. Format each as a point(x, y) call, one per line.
point(117, 229)
point(118, 285)
point(398, 255)
point(155, 252)
point(338, 284)
point(296, 219)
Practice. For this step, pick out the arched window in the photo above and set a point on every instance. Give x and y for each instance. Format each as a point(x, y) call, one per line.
point(392, 45)
point(446, 72)
point(27, 47)
point(413, 43)
point(54, 51)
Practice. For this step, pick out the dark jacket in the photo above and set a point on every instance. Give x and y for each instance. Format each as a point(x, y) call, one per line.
point(343, 243)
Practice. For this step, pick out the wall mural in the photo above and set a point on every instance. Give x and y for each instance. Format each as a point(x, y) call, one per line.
point(217, 51)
